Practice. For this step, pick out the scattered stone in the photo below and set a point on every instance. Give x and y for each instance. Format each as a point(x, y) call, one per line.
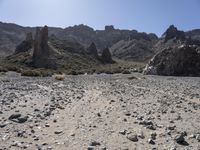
point(95, 143)
point(47, 125)
point(171, 127)
point(198, 137)
point(91, 148)
point(150, 141)
point(141, 135)
point(153, 136)
point(14, 116)
point(123, 132)
point(58, 132)
point(132, 137)
point(180, 139)
point(22, 119)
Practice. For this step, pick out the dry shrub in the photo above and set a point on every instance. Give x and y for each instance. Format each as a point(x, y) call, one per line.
point(59, 77)
point(31, 73)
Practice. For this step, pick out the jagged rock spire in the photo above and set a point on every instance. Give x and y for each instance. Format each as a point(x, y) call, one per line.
point(173, 33)
point(41, 53)
point(92, 50)
point(106, 56)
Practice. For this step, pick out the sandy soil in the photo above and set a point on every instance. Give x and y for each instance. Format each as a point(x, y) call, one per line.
point(99, 112)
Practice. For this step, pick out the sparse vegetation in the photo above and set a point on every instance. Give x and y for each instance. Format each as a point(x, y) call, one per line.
point(31, 73)
point(2, 69)
point(36, 73)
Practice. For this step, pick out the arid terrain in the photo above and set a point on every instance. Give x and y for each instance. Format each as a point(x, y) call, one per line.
point(103, 112)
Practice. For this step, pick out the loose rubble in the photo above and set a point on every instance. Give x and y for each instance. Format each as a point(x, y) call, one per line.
point(99, 112)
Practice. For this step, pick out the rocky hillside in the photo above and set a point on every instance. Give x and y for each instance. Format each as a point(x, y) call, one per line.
point(137, 50)
point(177, 55)
point(11, 35)
point(55, 54)
point(124, 44)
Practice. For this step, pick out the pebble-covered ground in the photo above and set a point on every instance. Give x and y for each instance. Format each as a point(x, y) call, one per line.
point(99, 112)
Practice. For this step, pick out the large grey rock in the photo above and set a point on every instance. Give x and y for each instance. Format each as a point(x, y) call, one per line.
point(180, 61)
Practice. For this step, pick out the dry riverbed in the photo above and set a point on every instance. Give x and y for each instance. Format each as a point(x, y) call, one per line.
point(99, 112)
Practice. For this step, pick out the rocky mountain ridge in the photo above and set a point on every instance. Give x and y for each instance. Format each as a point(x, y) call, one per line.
point(177, 55)
point(124, 44)
point(12, 35)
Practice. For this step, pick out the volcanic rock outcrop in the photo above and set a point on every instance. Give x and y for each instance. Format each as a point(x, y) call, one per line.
point(173, 33)
point(180, 61)
point(92, 50)
point(106, 56)
point(26, 44)
point(41, 54)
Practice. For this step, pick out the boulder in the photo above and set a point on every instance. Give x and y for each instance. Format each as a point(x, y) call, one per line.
point(106, 56)
point(180, 61)
point(25, 45)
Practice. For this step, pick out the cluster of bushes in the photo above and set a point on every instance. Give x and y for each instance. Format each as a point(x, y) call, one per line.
point(108, 69)
point(36, 73)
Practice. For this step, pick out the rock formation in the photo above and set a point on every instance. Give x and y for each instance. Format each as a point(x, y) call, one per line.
point(41, 54)
point(180, 61)
point(106, 56)
point(92, 50)
point(173, 33)
point(109, 28)
point(25, 45)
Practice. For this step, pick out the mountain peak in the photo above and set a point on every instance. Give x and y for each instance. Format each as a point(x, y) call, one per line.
point(173, 33)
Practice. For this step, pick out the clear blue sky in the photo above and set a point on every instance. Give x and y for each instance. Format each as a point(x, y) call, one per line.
point(144, 15)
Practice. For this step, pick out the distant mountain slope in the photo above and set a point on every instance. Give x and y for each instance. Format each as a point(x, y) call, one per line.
point(44, 52)
point(11, 35)
point(194, 34)
point(133, 49)
point(124, 44)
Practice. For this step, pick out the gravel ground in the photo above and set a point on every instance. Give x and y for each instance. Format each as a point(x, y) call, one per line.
point(99, 112)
